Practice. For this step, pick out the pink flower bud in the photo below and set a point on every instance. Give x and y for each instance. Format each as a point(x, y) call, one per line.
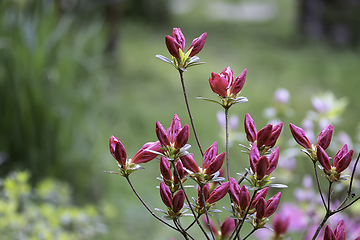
point(273, 161)
point(179, 37)
point(210, 154)
point(235, 191)
point(260, 208)
point(197, 44)
point(254, 156)
point(218, 84)
point(174, 129)
point(344, 162)
point(178, 201)
point(244, 198)
point(180, 168)
point(272, 204)
point(328, 234)
point(218, 193)
point(172, 46)
point(260, 194)
point(165, 168)
point(323, 158)
point(143, 156)
point(264, 135)
point(250, 128)
point(300, 137)
point(206, 194)
point(162, 134)
point(166, 195)
point(117, 150)
point(227, 227)
point(261, 167)
point(276, 130)
point(340, 154)
point(324, 137)
point(238, 83)
point(182, 137)
point(189, 163)
point(280, 224)
point(339, 230)
point(215, 164)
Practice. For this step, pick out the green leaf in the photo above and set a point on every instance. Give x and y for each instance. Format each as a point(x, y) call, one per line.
point(210, 100)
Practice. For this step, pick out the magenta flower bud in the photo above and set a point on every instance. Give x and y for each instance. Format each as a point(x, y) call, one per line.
point(182, 137)
point(300, 137)
point(174, 129)
point(210, 154)
point(172, 46)
point(189, 163)
point(261, 167)
point(339, 230)
point(117, 150)
point(273, 161)
point(218, 193)
point(166, 195)
point(215, 164)
point(235, 191)
point(206, 194)
point(272, 204)
point(197, 44)
point(212, 225)
point(244, 198)
point(344, 162)
point(328, 234)
point(179, 37)
point(260, 194)
point(178, 201)
point(162, 134)
point(276, 130)
point(165, 168)
point(238, 83)
point(227, 227)
point(250, 128)
point(280, 224)
point(180, 168)
point(323, 158)
point(260, 208)
point(254, 156)
point(340, 154)
point(264, 135)
point(324, 138)
point(143, 156)
point(218, 84)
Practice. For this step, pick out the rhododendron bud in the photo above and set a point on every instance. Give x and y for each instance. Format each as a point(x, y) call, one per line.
point(260, 208)
point(227, 227)
point(280, 224)
point(273, 161)
point(143, 156)
point(260, 194)
point(180, 169)
point(165, 168)
point(244, 198)
point(272, 204)
point(165, 195)
point(162, 134)
point(238, 83)
point(250, 128)
point(215, 164)
point(342, 151)
point(276, 130)
point(261, 167)
point(263, 135)
point(254, 156)
point(324, 137)
point(182, 137)
point(117, 150)
point(178, 201)
point(176, 42)
point(344, 161)
point(220, 83)
point(189, 163)
point(206, 194)
point(197, 44)
point(300, 137)
point(179, 37)
point(218, 193)
point(337, 234)
point(235, 191)
point(323, 158)
point(209, 154)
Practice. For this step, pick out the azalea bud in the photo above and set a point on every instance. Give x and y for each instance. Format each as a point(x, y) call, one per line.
point(218, 193)
point(182, 137)
point(260, 208)
point(250, 128)
point(244, 198)
point(162, 134)
point(324, 137)
point(206, 194)
point(300, 137)
point(340, 154)
point(143, 156)
point(261, 167)
point(212, 225)
point(179, 37)
point(165, 168)
point(227, 227)
point(180, 169)
point(276, 130)
point(254, 156)
point(260, 194)
point(280, 224)
point(189, 163)
point(264, 135)
point(174, 129)
point(197, 44)
point(178, 201)
point(272, 204)
point(323, 158)
point(344, 162)
point(339, 230)
point(328, 234)
point(273, 161)
point(166, 195)
point(209, 154)
point(172, 46)
point(215, 164)
point(235, 191)
point(218, 84)
point(117, 150)
point(238, 83)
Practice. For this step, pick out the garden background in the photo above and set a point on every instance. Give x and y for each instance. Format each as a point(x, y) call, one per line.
point(75, 72)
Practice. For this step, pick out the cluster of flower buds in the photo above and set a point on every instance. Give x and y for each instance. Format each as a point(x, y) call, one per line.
point(266, 137)
point(176, 47)
point(323, 140)
point(172, 180)
point(210, 199)
point(212, 162)
point(317, 152)
point(174, 202)
point(226, 228)
point(127, 166)
point(172, 139)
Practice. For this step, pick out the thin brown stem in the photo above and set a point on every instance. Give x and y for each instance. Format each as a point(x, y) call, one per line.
point(318, 184)
point(146, 206)
point(206, 212)
point(227, 142)
point(250, 233)
point(189, 112)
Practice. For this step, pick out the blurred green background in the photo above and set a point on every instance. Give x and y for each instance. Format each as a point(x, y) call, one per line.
point(75, 72)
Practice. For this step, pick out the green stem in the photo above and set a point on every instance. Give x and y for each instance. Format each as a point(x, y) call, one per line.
point(189, 112)
point(252, 231)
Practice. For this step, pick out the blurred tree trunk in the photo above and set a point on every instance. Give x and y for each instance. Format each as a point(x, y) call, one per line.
point(337, 21)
